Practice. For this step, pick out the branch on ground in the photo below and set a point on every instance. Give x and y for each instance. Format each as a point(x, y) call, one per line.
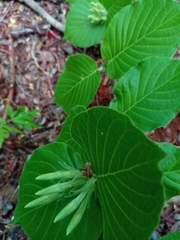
point(35, 6)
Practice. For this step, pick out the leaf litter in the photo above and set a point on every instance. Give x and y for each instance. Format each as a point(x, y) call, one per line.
point(32, 57)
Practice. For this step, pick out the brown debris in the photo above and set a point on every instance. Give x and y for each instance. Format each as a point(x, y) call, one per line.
point(32, 57)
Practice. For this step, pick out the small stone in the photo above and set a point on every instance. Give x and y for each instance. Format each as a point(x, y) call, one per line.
point(155, 236)
point(177, 217)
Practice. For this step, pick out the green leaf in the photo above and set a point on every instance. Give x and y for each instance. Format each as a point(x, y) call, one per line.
point(128, 178)
point(24, 118)
point(150, 93)
point(172, 236)
point(12, 129)
point(143, 29)
point(65, 135)
point(79, 83)
point(170, 166)
point(114, 7)
point(21, 109)
point(52, 158)
point(72, 1)
point(79, 29)
point(9, 111)
point(4, 133)
point(75, 1)
point(24, 110)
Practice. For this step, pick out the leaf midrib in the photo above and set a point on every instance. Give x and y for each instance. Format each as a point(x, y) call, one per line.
point(121, 171)
point(145, 36)
point(80, 82)
point(153, 91)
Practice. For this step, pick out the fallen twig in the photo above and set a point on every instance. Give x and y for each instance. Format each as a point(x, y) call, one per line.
point(12, 72)
point(36, 61)
point(38, 66)
point(53, 22)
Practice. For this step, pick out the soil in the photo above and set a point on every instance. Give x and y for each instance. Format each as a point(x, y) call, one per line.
point(32, 58)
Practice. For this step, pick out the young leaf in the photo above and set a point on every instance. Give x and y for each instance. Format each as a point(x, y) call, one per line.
point(19, 110)
point(9, 111)
point(51, 158)
point(24, 118)
point(79, 29)
point(5, 130)
point(170, 166)
point(12, 129)
point(150, 93)
point(79, 83)
point(4, 133)
point(125, 162)
point(145, 28)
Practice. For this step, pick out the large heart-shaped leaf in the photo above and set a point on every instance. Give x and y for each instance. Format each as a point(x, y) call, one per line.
point(126, 164)
point(150, 93)
point(38, 221)
point(79, 29)
point(79, 83)
point(170, 166)
point(65, 135)
point(143, 29)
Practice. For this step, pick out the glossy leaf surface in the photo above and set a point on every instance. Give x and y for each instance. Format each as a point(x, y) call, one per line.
point(65, 135)
point(126, 164)
point(172, 236)
point(150, 93)
point(114, 7)
point(145, 28)
point(170, 166)
point(79, 82)
point(52, 158)
point(79, 30)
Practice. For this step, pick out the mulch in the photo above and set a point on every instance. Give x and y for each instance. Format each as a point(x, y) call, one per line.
point(32, 58)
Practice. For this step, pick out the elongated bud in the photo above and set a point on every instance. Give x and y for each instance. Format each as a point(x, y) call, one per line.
point(65, 166)
point(76, 182)
point(79, 179)
point(88, 186)
point(79, 213)
point(61, 175)
point(76, 218)
point(99, 13)
point(56, 188)
point(70, 207)
point(43, 200)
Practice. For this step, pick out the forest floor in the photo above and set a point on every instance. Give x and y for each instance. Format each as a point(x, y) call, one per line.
point(32, 58)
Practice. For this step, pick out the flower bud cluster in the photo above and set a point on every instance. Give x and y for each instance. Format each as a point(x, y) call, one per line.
point(99, 13)
point(71, 183)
